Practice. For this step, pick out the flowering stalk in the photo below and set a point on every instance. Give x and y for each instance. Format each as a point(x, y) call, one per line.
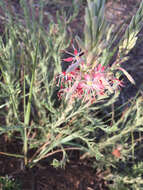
point(86, 81)
point(91, 73)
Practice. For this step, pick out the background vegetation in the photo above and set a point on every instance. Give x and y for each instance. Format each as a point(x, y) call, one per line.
point(41, 124)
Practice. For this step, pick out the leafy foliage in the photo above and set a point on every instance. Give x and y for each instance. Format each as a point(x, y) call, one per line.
point(130, 37)
point(9, 184)
point(30, 61)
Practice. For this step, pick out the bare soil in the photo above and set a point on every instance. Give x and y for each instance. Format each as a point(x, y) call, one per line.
point(77, 175)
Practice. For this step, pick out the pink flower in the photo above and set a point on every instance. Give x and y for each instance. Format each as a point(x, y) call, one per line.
point(99, 68)
point(82, 81)
point(69, 59)
point(75, 56)
point(93, 83)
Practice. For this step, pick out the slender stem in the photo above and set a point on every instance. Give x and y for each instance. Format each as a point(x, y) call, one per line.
point(24, 95)
point(54, 152)
point(132, 137)
point(12, 155)
point(113, 139)
point(28, 110)
point(10, 91)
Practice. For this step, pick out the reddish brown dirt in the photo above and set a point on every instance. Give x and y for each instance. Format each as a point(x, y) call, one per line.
point(77, 175)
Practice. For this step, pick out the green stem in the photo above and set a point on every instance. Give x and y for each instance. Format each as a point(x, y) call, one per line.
point(114, 139)
point(133, 151)
point(12, 155)
point(28, 110)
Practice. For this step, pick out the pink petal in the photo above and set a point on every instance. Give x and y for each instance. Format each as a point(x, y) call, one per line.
point(80, 85)
point(87, 77)
point(64, 73)
point(100, 68)
point(120, 83)
point(75, 52)
point(69, 59)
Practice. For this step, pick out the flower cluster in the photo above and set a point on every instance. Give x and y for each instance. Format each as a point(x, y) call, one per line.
point(81, 81)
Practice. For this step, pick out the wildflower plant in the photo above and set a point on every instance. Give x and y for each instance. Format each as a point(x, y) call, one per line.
point(91, 75)
point(55, 110)
point(86, 81)
point(6, 183)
